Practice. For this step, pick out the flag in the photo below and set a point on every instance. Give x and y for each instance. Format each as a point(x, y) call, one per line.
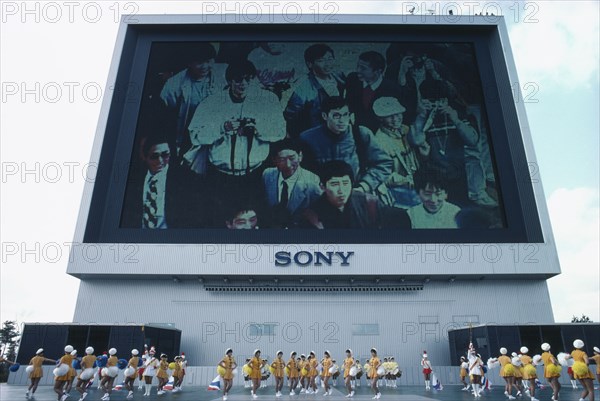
point(170, 384)
point(436, 383)
point(215, 384)
point(486, 384)
point(119, 387)
point(539, 384)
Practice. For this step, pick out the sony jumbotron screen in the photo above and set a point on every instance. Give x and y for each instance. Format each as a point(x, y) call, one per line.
point(288, 136)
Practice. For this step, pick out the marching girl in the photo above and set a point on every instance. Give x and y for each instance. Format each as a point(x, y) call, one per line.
point(518, 366)
point(551, 370)
point(349, 363)
point(396, 374)
point(87, 372)
point(140, 371)
point(312, 364)
point(581, 370)
point(475, 370)
point(359, 373)
point(327, 364)
point(183, 364)
point(426, 365)
point(72, 373)
point(256, 364)
point(161, 374)
point(374, 364)
point(61, 381)
point(507, 372)
point(109, 378)
point(303, 367)
point(293, 372)
point(596, 358)
point(150, 370)
point(177, 374)
point(464, 366)
point(336, 372)
point(228, 363)
point(132, 364)
point(278, 366)
point(529, 372)
point(386, 369)
point(37, 373)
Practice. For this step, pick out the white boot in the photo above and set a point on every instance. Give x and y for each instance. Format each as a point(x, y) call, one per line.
point(574, 384)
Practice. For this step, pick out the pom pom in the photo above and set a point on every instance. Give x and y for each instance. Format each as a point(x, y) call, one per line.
point(380, 371)
point(492, 363)
point(537, 360)
point(112, 371)
point(287, 371)
point(353, 371)
point(562, 359)
point(395, 371)
point(122, 364)
point(140, 362)
point(14, 367)
point(334, 369)
point(580, 369)
point(101, 361)
point(271, 369)
point(304, 372)
point(530, 371)
point(246, 369)
point(129, 371)
point(76, 364)
point(29, 369)
point(554, 370)
point(87, 374)
point(61, 370)
point(172, 366)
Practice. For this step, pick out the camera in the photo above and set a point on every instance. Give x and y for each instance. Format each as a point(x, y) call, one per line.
point(247, 126)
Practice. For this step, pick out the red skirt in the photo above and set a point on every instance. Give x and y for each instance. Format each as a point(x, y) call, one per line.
point(426, 371)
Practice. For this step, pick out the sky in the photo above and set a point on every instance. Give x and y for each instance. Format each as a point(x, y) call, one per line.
point(54, 63)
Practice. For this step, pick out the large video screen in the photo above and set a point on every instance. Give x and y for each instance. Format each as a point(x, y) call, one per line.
point(319, 135)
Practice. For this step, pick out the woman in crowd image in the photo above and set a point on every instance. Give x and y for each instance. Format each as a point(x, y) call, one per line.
point(228, 363)
point(349, 372)
point(150, 370)
point(293, 372)
point(552, 370)
point(426, 365)
point(327, 364)
point(61, 373)
point(87, 372)
point(581, 370)
point(507, 372)
point(278, 366)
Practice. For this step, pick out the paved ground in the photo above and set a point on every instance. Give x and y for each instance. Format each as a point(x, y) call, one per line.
point(404, 393)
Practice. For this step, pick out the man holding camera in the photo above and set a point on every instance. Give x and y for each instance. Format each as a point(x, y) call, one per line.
point(238, 124)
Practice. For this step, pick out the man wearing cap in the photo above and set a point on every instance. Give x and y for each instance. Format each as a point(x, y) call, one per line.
point(228, 363)
point(37, 373)
point(60, 381)
point(237, 125)
point(392, 136)
point(133, 363)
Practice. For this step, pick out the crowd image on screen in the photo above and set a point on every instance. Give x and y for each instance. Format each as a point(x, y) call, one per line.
point(294, 135)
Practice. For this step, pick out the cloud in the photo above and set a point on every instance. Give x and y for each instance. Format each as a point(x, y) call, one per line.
point(574, 214)
point(561, 48)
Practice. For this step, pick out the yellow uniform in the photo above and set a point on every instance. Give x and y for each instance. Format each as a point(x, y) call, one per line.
point(312, 367)
point(112, 361)
point(529, 371)
point(36, 362)
point(504, 362)
point(133, 362)
point(373, 365)
point(327, 363)
point(293, 368)
point(67, 360)
point(303, 366)
point(597, 359)
point(278, 367)
point(463, 369)
point(255, 364)
point(549, 359)
point(227, 363)
point(162, 370)
point(348, 363)
point(579, 358)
